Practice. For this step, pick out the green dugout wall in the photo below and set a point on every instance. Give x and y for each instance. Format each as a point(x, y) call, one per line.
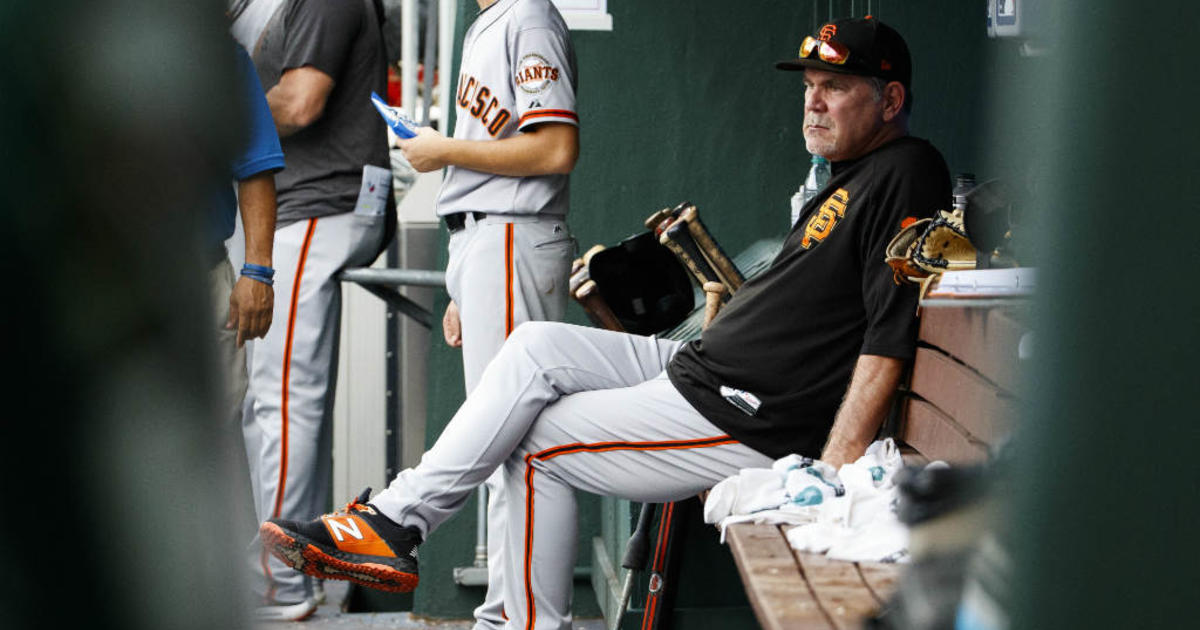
point(114, 417)
point(679, 101)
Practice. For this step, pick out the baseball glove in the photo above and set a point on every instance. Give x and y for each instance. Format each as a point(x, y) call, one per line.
point(929, 247)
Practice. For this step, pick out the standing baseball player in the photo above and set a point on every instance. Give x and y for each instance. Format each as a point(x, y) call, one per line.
point(805, 358)
point(504, 200)
point(318, 61)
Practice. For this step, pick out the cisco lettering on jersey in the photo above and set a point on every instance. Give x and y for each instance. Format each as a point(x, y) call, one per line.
point(478, 101)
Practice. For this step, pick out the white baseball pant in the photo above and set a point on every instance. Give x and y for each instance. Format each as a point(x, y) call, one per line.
point(292, 378)
point(562, 408)
point(231, 366)
point(504, 271)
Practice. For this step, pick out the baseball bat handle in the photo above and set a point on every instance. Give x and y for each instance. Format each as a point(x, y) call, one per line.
point(679, 240)
point(588, 296)
point(637, 550)
point(720, 261)
point(714, 294)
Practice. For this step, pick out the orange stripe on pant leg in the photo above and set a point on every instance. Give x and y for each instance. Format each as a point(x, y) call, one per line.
point(287, 360)
point(660, 559)
point(283, 408)
point(287, 367)
point(598, 447)
point(530, 608)
point(509, 276)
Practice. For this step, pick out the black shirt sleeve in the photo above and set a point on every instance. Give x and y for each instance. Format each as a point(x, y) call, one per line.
point(900, 192)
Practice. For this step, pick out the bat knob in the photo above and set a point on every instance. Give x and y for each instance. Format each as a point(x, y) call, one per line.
point(713, 292)
point(587, 256)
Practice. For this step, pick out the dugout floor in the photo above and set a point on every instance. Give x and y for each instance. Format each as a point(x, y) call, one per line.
point(330, 617)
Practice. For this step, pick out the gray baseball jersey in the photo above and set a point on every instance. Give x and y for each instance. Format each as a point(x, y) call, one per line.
point(518, 69)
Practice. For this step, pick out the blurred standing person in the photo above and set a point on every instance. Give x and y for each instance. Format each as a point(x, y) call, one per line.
point(243, 307)
point(505, 200)
point(243, 302)
point(318, 61)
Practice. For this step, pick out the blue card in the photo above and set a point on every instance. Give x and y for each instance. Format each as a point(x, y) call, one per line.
point(402, 125)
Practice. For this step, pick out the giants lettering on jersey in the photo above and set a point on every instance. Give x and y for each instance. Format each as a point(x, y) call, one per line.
point(477, 100)
point(534, 74)
point(826, 218)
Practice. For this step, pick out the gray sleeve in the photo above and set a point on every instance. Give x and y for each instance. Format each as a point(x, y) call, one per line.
point(320, 34)
point(544, 76)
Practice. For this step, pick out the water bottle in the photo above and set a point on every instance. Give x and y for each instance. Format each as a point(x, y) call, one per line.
point(818, 176)
point(963, 184)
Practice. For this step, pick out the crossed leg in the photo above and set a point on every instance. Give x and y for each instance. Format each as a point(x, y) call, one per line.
point(643, 443)
point(540, 363)
point(564, 407)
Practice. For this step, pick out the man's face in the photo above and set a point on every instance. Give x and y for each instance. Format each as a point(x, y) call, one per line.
point(842, 116)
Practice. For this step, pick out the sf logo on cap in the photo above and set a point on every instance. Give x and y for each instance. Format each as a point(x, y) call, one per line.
point(828, 32)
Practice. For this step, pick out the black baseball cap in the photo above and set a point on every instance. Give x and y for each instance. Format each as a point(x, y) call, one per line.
point(874, 50)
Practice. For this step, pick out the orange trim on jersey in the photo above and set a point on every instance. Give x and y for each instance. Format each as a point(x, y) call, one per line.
point(509, 276)
point(548, 113)
point(579, 447)
point(287, 367)
point(660, 559)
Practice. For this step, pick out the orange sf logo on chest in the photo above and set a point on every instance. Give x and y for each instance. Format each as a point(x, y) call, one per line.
point(826, 218)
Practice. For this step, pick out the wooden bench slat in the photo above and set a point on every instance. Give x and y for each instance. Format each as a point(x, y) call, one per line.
point(985, 339)
point(839, 588)
point(910, 455)
point(937, 436)
point(984, 410)
point(881, 578)
point(778, 592)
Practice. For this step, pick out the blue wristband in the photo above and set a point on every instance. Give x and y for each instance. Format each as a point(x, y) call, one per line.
point(253, 275)
point(266, 272)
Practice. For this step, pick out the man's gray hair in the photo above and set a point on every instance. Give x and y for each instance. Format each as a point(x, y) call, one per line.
point(877, 86)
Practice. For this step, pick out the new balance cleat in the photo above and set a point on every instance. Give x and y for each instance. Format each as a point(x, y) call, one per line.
point(358, 544)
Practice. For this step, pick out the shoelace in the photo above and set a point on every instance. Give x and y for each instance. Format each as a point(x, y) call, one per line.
point(357, 504)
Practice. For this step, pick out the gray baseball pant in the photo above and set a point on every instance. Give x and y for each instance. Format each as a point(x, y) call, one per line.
point(562, 408)
point(288, 430)
point(504, 271)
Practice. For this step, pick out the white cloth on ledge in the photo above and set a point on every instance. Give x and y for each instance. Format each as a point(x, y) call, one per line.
point(848, 514)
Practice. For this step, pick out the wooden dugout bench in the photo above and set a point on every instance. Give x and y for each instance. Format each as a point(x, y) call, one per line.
point(962, 399)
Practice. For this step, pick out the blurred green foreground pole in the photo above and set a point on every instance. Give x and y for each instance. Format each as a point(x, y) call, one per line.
point(1107, 516)
point(113, 114)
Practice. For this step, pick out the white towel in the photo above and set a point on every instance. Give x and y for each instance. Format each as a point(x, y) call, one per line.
point(849, 514)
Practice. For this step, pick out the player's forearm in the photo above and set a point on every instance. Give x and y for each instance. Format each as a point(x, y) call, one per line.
point(866, 404)
point(256, 197)
point(289, 111)
point(298, 100)
point(545, 150)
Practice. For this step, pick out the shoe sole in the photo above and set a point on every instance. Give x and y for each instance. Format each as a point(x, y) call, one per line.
point(286, 613)
point(308, 558)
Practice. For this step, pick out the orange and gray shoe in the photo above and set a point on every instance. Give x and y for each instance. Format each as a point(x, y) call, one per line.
point(358, 544)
